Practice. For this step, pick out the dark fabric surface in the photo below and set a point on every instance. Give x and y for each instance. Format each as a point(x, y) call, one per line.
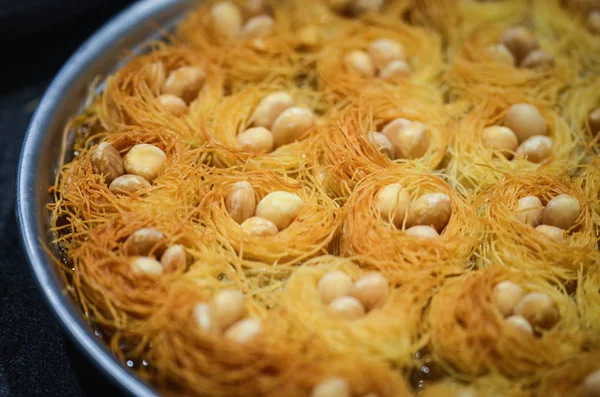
point(36, 356)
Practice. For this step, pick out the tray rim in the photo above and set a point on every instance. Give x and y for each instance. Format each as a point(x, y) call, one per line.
point(115, 36)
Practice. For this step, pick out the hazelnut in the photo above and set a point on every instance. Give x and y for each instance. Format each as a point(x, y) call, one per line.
point(258, 27)
point(382, 144)
point(501, 54)
point(143, 242)
point(506, 296)
point(107, 161)
point(536, 149)
point(128, 184)
point(270, 107)
point(371, 290)
point(538, 59)
point(393, 202)
point(145, 160)
point(394, 70)
point(591, 384)
point(204, 318)
point(174, 257)
point(529, 210)
point(244, 331)
point(257, 140)
point(227, 19)
point(520, 323)
point(431, 209)
point(241, 201)
point(360, 62)
point(259, 227)
point(520, 42)
point(501, 139)
point(227, 307)
point(332, 387)
point(347, 307)
point(383, 51)
point(411, 142)
point(395, 126)
point(525, 121)
point(562, 211)
point(145, 265)
point(281, 208)
point(593, 21)
point(291, 124)
point(539, 309)
point(172, 104)
point(184, 83)
point(334, 285)
point(421, 231)
point(594, 121)
point(554, 233)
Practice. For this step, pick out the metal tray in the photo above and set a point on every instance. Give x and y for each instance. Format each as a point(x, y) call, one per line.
point(100, 55)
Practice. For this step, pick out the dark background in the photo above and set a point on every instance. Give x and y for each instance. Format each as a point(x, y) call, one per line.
point(36, 38)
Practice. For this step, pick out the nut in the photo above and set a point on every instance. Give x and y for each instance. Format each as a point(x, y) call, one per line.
point(334, 285)
point(241, 201)
point(256, 140)
point(145, 265)
point(411, 142)
point(431, 209)
point(519, 41)
point(107, 161)
point(244, 331)
point(332, 387)
point(185, 83)
point(144, 242)
point(258, 27)
point(227, 19)
point(529, 210)
point(155, 75)
point(593, 21)
point(591, 384)
point(128, 184)
point(172, 104)
point(506, 296)
point(554, 233)
point(525, 121)
point(383, 51)
point(539, 309)
point(501, 139)
point(536, 149)
point(562, 211)
point(594, 121)
point(227, 308)
point(361, 6)
point(361, 62)
point(382, 144)
point(259, 227)
point(270, 107)
point(145, 160)
point(520, 323)
point(394, 70)
point(347, 307)
point(371, 290)
point(291, 124)
point(281, 208)
point(393, 202)
point(395, 126)
point(420, 231)
point(538, 59)
point(501, 54)
point(174, 257)
point(255, 8)
point(204, 318)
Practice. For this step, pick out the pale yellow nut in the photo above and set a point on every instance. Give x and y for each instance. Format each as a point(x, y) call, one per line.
point(347, 307)
point(227, 307)
point(334, 285)
point(383, 51)
point(361, 6)
point(143, 242)
point(185, 82)
point(594, 121)
point(204, 318)
point(538, 59)
point(539, 309)
point(562, 211)
point(332, 387)
point(591, 384)
point(241, 201)
point(421, 231)
point(244, 331)
point(361, 62)
point(553, 233)
point(257, 140)
point(270, 107)
point(506, 295)
point(529, 210)
point(259, 227)
point(502, 139)
point(593, 21)
point(145, 265)
point(519, 41)
point(280, 207)
point(411, 142)
point(155, 75)
point(227, 19)
point(309, 35)
point(145, 160)
point(258, 27)
point(172, 104)
point(254, 8)
point(394, 70)
point(128, 184)
point(107, 161)
point(291, 124)
point(536, 149)
point(371, 290)
point(520, 323)
point(393, 202)
point(431, 209)
point(525, 121)
point(174, 257)
point(382, 144)
point(501, 54)
point(395, 126)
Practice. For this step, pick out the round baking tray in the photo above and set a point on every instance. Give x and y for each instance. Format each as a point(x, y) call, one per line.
point(41, 156)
